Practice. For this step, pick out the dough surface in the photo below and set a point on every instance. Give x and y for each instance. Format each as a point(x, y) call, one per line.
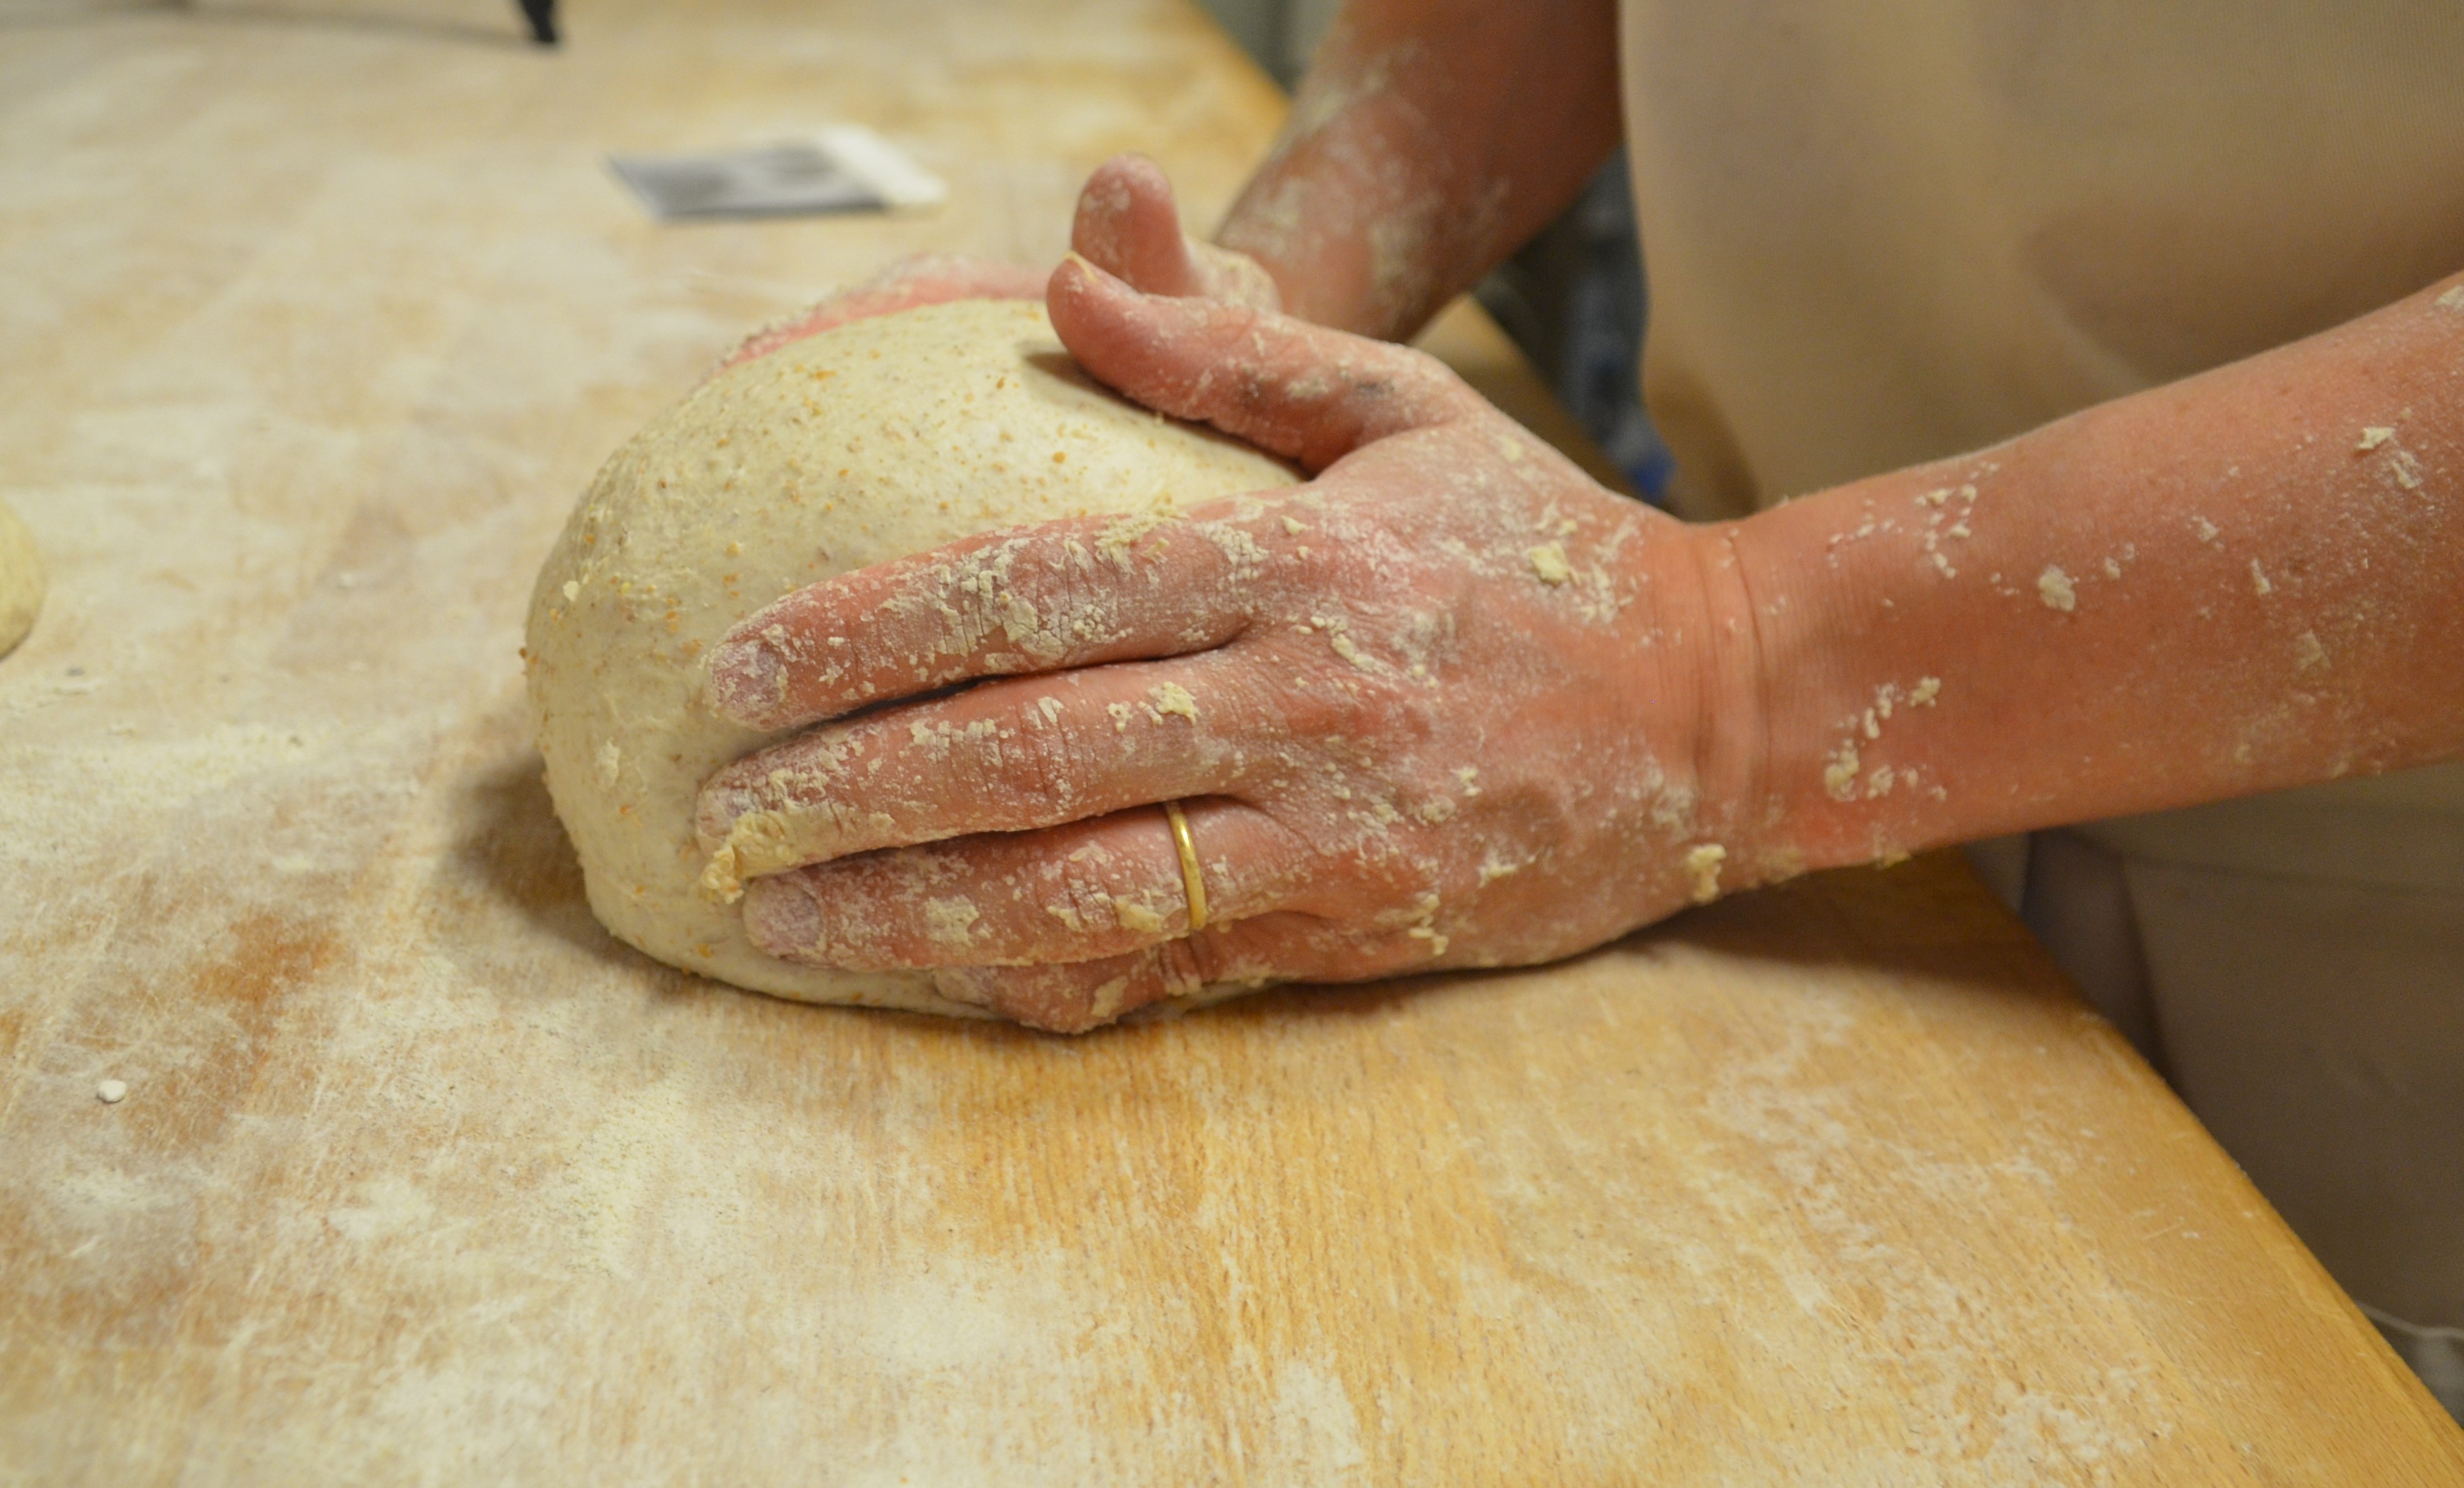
point(21, 580)
point(877, 439)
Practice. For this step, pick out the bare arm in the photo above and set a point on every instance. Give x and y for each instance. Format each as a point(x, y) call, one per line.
point(1430, 140)
point(2249, 579)
point(1457, 706)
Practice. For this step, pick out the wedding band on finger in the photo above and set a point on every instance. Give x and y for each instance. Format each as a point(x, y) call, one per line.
point(1193, 882)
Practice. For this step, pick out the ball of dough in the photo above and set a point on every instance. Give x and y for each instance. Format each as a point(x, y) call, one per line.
point(880, 438)
point(21, 580)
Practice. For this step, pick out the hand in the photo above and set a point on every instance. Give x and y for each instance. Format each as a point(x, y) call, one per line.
point(1449, 704)
point(1126, 222)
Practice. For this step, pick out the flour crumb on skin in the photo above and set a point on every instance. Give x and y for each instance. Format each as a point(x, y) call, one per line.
point(952, 921)
point(111, 1092)
point(2054, 588)
point(1493, 867)
point(2309, 655)
point(1549, 562)
point(1121, 715)
point(2208, 531)
point(1240, 550)
point(2259, 584)
point(1842, 767)
point(2453, 299)
point(1293, 526)
point(1423, 925)
point(1136, 917)
point(2373, 436)
point(1170, 697)
point(1703, 870)
point(1106, 1004)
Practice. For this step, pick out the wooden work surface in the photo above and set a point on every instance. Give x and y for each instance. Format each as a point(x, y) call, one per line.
point(311, 326)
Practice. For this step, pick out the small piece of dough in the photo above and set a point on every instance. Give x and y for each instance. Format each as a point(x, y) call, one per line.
point(865, 443)
point(21, 580)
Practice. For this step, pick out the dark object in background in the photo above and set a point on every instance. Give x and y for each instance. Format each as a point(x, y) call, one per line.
point(839, 169)
point(1575, 301)
point(787, 180)
point(541, 15)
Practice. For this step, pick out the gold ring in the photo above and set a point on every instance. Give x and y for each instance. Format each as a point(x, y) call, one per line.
point(1192, 881)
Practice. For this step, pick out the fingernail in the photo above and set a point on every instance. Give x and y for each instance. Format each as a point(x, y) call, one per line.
point(782, 921)
point(1089, 273)
point(747, 679)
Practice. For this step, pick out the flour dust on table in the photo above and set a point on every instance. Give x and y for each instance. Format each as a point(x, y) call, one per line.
point(21, 580)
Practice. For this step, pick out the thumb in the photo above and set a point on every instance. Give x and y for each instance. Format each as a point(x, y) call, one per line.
point(1298, 390)
point(1128, 225)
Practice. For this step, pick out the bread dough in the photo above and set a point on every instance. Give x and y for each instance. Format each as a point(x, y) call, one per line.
point(21, 580)
point(877, 439)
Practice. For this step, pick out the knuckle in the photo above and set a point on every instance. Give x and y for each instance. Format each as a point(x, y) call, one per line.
point(1043, 759)
point(1087, 892)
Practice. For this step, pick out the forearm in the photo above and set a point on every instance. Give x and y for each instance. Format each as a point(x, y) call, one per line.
point(2247, 581)
point(1430, 140)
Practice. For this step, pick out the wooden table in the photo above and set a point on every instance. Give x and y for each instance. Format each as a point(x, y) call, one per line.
point(311, 325)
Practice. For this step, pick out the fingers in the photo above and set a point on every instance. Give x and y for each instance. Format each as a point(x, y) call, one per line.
point(924, 279)
point(1299, 390)
point(1127, 223)
point(1081, 891)
point(1065, 593)
point(1006, 758)
point(1074, 997)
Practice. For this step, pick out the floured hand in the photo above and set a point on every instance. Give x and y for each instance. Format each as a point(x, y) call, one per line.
point(1449, 704)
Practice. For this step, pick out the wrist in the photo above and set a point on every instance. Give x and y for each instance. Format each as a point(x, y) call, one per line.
point(1872, 598)
point(1723, 636)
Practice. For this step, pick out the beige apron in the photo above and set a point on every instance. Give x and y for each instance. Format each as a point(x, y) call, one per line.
point(1887, 231)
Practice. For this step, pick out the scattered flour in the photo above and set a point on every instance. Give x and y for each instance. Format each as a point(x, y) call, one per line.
point(1549, 561)
point(1702, 867)
point(2054, 588)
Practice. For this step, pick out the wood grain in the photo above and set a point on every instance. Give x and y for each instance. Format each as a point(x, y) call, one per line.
point(313, 321)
